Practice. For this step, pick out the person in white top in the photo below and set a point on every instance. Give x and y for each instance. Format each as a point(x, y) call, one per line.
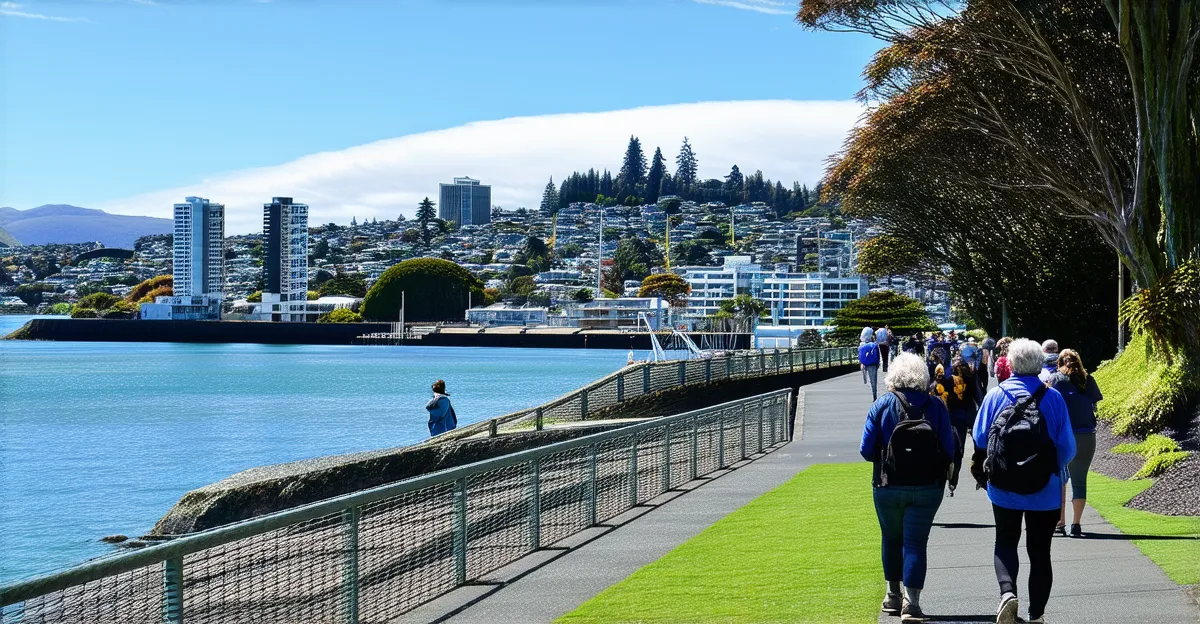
point(881, 341)
point(866, 335)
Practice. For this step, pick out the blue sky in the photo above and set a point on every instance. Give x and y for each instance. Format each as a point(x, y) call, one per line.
point(113, 99)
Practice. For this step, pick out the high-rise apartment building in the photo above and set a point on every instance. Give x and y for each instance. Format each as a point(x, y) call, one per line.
point(466, 202)
point(285, 260)
point(198, 264)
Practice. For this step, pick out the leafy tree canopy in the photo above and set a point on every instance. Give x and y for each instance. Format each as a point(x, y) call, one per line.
point(434, 290)
point(904, 315)
point(668, 286)
point(340, 315)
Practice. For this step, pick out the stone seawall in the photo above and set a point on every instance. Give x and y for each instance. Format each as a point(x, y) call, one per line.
point(261, 332)
point(268, 489)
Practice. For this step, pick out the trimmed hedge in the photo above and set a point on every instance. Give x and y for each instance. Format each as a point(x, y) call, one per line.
point(905, 315)
point(435, 290)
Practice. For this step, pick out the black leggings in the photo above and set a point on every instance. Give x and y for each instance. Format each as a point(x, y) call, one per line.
point(961, 432)
point(1039, 531)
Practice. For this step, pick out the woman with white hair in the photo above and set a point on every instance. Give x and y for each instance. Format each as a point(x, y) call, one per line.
point(1023, 441)
point(909, 477)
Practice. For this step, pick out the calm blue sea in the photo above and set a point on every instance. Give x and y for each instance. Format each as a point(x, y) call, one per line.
point(102, 438)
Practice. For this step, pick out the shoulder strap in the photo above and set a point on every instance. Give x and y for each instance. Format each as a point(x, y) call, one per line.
point(1038, 394)
point(907, 407)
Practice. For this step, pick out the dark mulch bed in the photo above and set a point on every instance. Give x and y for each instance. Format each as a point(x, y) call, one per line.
point(1174, 493)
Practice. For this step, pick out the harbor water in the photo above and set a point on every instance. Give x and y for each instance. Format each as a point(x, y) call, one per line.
point(102, 438)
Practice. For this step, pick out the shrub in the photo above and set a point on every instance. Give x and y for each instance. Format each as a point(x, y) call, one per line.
point(255, 297)
point(313, 295)
point(904, 315)
point(1160, 463)
point(435, 290)
point(98, 301)
point(340, 315)
point(59, 309)
point(145, 291)
point(1155, 444)
point(1141, 391)
point(120, 310)
point(83, 313)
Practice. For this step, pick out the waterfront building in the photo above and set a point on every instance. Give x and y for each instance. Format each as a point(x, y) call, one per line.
point(807, 300)
point(198, 264)
point(619, 313)
point(466, 202)
point(285, 262)
point(499, 315)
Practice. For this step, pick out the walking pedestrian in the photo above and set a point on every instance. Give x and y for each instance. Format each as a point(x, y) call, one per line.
point(1003, 368)
point(962, 397)
point(913, 345)
point(893, 344)
point(1080, 392)
point(1023, 441)
point(868, 360)
point(866, 335)
point(973, 356)
point(989, 357)
point(441, 413)
point(908, 438)
point(1049, 360)
point(881, 341)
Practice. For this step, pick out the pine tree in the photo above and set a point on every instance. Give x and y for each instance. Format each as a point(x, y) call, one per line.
point(425, 216)
point(633, 168)
point(606, 184)
point(685, 166)
point(550, 199)
point(734, 185)
point(654, 179)
point(353, 222)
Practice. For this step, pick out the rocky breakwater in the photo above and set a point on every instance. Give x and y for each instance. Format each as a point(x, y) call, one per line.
point(267, 489)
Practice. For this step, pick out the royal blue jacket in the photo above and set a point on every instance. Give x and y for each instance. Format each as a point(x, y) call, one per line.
point(868, 354)
point(887, 411)
point(441, 415)
point(1058, 423)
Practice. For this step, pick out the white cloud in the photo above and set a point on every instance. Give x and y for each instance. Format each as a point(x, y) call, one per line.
point(13, 9)
point(787, 139)
point(771, 7)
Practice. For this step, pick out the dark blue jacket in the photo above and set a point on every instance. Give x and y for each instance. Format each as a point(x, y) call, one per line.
point(1081, 402)
point(887, 411)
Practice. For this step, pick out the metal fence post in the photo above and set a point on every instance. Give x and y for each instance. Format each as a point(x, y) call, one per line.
point(721, 441)
point(633, 473)
point(646, 379)
point(775, 356)
point(173, 591)
point(762, 362)
point(683, 372)
point(728, 367)
point(493, 428)
point(538, 420)
point(460, 531)
point(620, 387)
point(583, 404)
point(707, 371)
point(743, 431)
point(791, 356)
point(535, 503)
point(593, 489)
point(760, 426)
point(666, 458)
point(693, 455)
point(350, 563)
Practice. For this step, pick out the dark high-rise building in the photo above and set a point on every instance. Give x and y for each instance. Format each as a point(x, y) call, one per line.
point(466, 202)
point(285, 260)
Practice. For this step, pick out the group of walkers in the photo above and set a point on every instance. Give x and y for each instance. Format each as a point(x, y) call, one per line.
point(1032, 433)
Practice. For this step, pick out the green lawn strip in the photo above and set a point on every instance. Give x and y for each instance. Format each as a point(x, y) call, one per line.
point(1179, 558)
point(807, 551)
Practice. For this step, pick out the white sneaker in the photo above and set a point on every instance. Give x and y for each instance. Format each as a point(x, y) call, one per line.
point(1007, 613)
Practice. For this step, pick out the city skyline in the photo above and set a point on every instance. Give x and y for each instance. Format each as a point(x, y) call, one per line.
point(354, 102)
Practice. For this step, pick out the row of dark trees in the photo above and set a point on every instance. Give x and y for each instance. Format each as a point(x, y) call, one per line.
point(639, 181)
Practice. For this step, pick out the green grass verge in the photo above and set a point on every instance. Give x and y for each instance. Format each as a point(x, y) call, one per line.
point(1179, 558)
point(781, 558)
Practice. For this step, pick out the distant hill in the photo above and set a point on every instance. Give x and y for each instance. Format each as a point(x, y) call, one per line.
point(8, 240)
point(60, 223)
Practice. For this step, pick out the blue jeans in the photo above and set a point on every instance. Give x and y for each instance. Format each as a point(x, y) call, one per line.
point(905, 517)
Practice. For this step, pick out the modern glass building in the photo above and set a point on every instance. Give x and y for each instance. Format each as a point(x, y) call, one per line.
point(285, 260)
point(199, 248)
point(466, 202)
point(198, 259)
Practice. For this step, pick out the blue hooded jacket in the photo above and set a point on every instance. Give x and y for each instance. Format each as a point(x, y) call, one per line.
point(441, 415)
point(1058, 423)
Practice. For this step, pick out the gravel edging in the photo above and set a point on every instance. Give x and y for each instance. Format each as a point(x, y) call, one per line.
point(1175, 492)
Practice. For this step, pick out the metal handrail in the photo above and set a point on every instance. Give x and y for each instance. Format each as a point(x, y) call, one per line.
point(814, 358)
point(172, 553)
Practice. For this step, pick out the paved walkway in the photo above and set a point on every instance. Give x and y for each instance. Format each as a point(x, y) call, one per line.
point(1104, 579)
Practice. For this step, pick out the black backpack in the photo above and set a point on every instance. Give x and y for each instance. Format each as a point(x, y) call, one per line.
point(1021, 457)
point(913, 455)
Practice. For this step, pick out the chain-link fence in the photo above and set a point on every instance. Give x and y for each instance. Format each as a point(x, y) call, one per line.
point(376, 554)
point(650, 377)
